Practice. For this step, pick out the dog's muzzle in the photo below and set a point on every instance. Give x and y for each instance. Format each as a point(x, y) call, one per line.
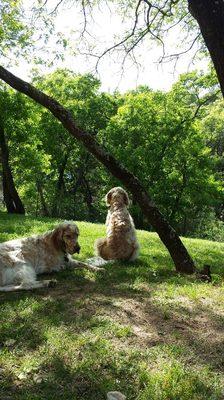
point(77, 249)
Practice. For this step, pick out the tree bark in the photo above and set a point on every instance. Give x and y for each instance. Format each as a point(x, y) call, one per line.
point(44, 208)
point(182, 260)
point(210, 17)
point(89, 199)
point(11, 197)
point(177, 200)
point(59, 187)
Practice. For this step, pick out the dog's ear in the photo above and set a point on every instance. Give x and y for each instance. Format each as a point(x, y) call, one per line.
point(57, 238)
point(126, 198)
point(108, 198)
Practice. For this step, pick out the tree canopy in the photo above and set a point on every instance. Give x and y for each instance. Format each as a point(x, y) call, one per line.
point(160, 135)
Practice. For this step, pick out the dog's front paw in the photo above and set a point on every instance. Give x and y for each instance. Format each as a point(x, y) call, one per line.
point(52, 283)
point(98, 269)
point(101, 269)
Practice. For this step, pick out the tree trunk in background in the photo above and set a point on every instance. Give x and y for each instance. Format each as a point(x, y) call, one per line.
point(59, 187)
point(210, 17)
point(167, 234)
point(176, 204)
point(89, 199)
point(44, 208)
point(12, 200)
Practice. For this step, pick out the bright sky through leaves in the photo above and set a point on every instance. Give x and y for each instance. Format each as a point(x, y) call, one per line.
point(100, 33)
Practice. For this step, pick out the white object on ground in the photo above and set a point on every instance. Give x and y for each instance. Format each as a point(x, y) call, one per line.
point(97, 261)
point(115, 396)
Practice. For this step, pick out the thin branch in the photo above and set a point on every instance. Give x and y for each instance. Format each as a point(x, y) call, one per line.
point(85, 18)
point(205, 102)
point(136, 16)
point(202, 103)
point(177, 55)
point(176, 23)
point(42, 5)
point(113, 48)
point(56, 7)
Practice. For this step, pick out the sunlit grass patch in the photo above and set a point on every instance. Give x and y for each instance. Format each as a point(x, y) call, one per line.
point(174, 381)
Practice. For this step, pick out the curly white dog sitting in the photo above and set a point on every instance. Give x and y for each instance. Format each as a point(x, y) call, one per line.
point(21, 260)
point(121, 242)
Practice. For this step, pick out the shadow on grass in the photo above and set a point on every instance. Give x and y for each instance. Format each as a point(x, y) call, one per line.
point(77, 300)
point(93, 377)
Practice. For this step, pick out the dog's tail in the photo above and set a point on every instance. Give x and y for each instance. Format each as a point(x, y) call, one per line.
point(135, 252)
point(98, 246)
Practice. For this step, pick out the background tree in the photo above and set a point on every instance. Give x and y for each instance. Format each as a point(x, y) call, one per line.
point(210, 20)
point(15, 33)
point(158, 135)
point(72, 177)
point(10, 194)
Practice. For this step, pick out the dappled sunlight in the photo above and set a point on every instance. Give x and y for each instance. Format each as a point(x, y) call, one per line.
point(137, 322)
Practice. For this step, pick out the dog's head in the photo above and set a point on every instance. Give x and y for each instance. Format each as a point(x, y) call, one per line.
point(65, 237)
point(117, 196)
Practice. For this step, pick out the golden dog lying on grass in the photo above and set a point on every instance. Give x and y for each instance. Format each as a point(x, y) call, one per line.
point(21, 260)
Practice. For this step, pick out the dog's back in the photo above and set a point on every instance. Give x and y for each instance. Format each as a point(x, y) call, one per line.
point(121, 242)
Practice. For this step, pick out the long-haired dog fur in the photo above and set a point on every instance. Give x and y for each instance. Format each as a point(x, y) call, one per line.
point(121, 242)
point(21, 260)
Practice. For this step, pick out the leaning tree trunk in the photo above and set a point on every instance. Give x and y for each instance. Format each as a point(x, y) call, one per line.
point(11, 198)
point(167, 234)
point(210, 17)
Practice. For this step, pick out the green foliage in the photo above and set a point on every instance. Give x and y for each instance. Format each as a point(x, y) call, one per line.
point(209, 227)
point(156, 136)
point(172, 141)
point(14, 32)
point(50, 168)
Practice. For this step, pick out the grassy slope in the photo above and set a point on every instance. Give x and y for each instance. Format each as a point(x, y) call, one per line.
point(140, 328)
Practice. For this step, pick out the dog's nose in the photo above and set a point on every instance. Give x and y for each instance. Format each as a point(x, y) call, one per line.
point(77, 249)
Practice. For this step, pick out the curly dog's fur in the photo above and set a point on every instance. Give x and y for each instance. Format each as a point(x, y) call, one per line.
point(121, 242)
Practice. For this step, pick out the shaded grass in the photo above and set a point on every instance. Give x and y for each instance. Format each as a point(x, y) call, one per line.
point(140, 328)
